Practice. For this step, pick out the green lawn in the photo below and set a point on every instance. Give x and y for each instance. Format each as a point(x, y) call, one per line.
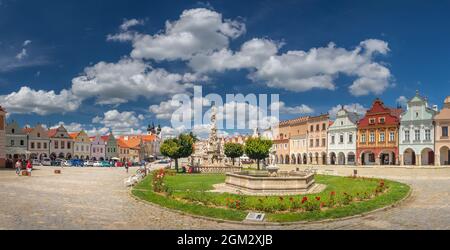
point(188, 193)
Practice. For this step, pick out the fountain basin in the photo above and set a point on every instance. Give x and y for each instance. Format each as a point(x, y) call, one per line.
point(292, 183)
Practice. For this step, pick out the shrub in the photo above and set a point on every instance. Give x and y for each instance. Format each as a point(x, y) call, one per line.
point(158, 181)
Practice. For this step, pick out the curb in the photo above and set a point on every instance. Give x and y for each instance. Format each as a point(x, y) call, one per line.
point(264, 224)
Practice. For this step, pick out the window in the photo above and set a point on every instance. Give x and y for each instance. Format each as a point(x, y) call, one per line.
point(38, 134)
point(62, 145)
point(372, 137)
point(417, 114)
point(39, 145)
point(417, 135)
point(324, 126)
point(317, 127)
point(445, 131)
point(407, 135)
point(45, 145)
point(372, 121)
point(56, 144)
point(13, 131)
point(350, 138)
point(363, 138)
point(32, 145)
point(391, 136)
point(311, 143)
point(317, 142)
point(342, 123)
point(382, 137)
point(341, 139)
point(427, 134)
point(22, 142)
point(382, 119)
point(12, 143)
point(324, 141)
point(332, 139)
point(69, 145)
point(312, 128)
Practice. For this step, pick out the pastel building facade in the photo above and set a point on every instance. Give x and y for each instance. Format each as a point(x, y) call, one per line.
point(2, 137)
point(38, 142)
point(416, 144)
point(298, 140)
point(317, 139)
point(442, 139)
point(378, 135)
point(281, 143)
point(82, 145)
point(61, 144)
point(98, 148)
point(112, 149)
point(342, 138)
point(16, 143)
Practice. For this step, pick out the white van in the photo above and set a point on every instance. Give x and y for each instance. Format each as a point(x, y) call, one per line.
point(46, 162)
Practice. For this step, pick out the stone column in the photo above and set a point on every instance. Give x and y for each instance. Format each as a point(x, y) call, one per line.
point(418, 160)
point(400, 158)
point(437, 160)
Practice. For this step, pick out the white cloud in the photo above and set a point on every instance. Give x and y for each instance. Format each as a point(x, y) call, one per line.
point(116, 83)
point(402, 101)
point(353, 107)
point(22, 54)
point(27, 100)
point(71, 127)
point(196, 31)
point(26, 43)
point(120, 122)
point(128, 23)
point(283, 109)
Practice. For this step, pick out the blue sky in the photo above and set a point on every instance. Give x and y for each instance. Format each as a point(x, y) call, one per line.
point(384, 49)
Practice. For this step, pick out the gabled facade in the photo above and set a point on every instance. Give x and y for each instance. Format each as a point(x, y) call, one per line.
point(61, 144)
point(98, 148)
point(298, 140)
point(2, 137)
point(442, 139)
point(38, 142)
point(281, 143)
point(342, 138)
point(82, 145)
point(112, 149)
point(378, 135)
point(416, 143)
point(317, 139)
point(16, 143)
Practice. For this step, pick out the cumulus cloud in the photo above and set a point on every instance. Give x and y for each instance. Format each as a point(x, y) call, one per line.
point(128, 23)
point(196, 31)
point(22, 54)
point(27, 100)
point(120, 122)
point(116, 83)
point(283, 109)
point(353, 107)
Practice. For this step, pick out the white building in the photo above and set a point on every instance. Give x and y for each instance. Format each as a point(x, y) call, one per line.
point(342, 138)
point(38, 142)
point(16, 143)
point(98, 148)
point(82, 145)
point(416, 146)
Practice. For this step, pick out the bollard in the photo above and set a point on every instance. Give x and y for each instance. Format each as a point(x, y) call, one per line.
point(355, 172)
point(57, 171)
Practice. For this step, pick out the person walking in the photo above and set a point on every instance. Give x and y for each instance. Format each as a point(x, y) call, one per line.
point(126, 167)
point(18, 166)
point(29, 167)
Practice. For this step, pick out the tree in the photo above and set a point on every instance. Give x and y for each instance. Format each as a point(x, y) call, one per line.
point(176, 148)
point(257, 149)
point(233, 150)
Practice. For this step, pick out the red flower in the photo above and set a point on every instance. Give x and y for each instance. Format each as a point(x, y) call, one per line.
point(318, 198)
point(291, 199)
point(333, 193)
point(304, 199)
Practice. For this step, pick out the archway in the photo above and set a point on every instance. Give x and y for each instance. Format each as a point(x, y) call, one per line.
point(69, 156)
point(409, 157)
point(368, 158)
point(387, 158)
point(316, 158)
point(351, 158)
point(293, 159)
point(61, 156)
point(341, 158)
point(305, 159)
point(333, 158)
point(102, 159)
point(42, 156)
point(53, 156)
point(310, 158)
point(427, 156)
point(299, 159)
point(33, 156)
point(276, 159)
point(444, 155)
point(286, 159)
point(281, 159)
point(324, 158)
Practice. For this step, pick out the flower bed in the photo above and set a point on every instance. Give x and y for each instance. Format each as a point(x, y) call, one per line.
point(344, 196)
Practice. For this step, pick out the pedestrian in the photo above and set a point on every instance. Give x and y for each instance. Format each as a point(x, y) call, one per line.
point(29, 167)
point(126, 167)
point(18, 167)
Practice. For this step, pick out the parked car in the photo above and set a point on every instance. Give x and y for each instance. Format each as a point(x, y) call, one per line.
point(88, 163)
point(56, 162)
point(77, 163)
point(65, 163)
point(119, 164)
point(97, 164)
point(36, 162)
point(105, 164)
point(46, 162)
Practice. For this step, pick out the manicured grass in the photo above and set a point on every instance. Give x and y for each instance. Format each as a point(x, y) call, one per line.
point(188, 193)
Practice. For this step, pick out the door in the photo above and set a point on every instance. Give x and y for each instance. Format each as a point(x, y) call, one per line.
point(431, 158)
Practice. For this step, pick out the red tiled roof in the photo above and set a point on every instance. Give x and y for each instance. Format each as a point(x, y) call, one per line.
point(74, 135)
point(27, 130)
point(52, 132)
